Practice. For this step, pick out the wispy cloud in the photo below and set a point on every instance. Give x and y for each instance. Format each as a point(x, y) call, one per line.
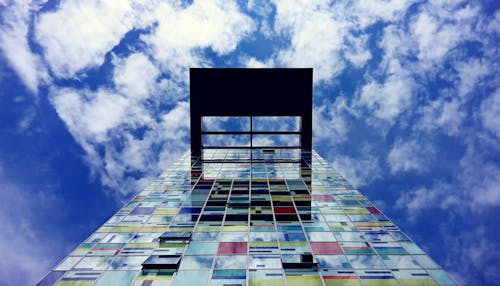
point(20, 229)
point(361, 170)
point(490, 113)
point(14, 43)
point(181, 33)
point(472, 256)
point(410, 155)
point(127, 111)
point(388, 99)
point(79, 34)
point(316, 37)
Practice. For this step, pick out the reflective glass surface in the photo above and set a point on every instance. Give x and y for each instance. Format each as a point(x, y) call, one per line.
point(242, 222)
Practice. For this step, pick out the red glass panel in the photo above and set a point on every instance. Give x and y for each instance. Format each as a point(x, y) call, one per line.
point(232, 248)
point(284, 210)
point(373, 210)
point(326, 248)
point(325, 198)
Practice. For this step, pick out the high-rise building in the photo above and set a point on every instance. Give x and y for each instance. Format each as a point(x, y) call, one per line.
point(251, 204)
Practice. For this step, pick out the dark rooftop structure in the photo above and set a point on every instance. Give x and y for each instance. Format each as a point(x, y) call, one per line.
point(251, 92)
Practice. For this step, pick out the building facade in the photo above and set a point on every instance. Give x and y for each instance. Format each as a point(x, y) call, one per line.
point(250, 204)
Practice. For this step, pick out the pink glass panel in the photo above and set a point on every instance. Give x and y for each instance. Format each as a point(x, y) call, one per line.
point(326, 248)
point(232, 248)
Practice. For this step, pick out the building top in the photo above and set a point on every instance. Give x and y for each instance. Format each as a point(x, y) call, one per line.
point(235, 92)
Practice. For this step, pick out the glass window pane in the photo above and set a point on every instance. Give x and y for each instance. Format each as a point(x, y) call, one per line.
point(196, 262)
point(320, 236)
point(414, 277)
point(191, 277)
point(276, 123)
point(128, 262)
point(379, 278)
point(442, 277)
point(263, 236)
point(225, 123)
point(68, 263)
point(326, 248)
point(400, 261)
point(366, 261)
point(228, 277)
point(204, 236)
point(231, 262)
point(263, 277)
point(234, 236)
point(232, 248)
point(333, 261)
point(94, 263)
point(226, 140)
point(265, 261)
point(291, 236)
point(425, 261)
point(110, 278)
point(270, 140)
point(302, 277)
point(201, 248)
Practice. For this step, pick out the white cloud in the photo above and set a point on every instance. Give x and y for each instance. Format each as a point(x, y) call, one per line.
point(79, 34)
point(97, 118)
point(135, 76)
point(316, 37)
point(26, 122)
point(175, 43)
point(359, 170)
point(129, 111)
point(490, 113)
point(90, 115)
point(475, 190)
point(444, 113)
point(433, 32)
point(470, 73)
point(395, 43)
point(329, 125)
point(480, 179)
point(488, 189)
point(24, 262)
point(472, 251)
point(370, 12)
point(175, 123)
point(388, 99)
point(431, 36)
point(417, 201)
point(15, 46)
point(493, 26)
point(409, 155)
point(357, 52)
point(262, 8)
point(439, 27)
point(325, 35)
point(106, 124)
point(251, 62)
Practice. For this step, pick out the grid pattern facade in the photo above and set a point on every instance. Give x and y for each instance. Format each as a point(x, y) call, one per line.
point(240, 222)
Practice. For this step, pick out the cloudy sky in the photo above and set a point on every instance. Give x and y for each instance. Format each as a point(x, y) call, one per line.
point(94, 104)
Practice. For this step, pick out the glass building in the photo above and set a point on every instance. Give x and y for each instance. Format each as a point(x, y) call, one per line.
point(250, 204)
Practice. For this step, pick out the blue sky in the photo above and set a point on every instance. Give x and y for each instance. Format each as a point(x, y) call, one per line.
point(94, 105)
